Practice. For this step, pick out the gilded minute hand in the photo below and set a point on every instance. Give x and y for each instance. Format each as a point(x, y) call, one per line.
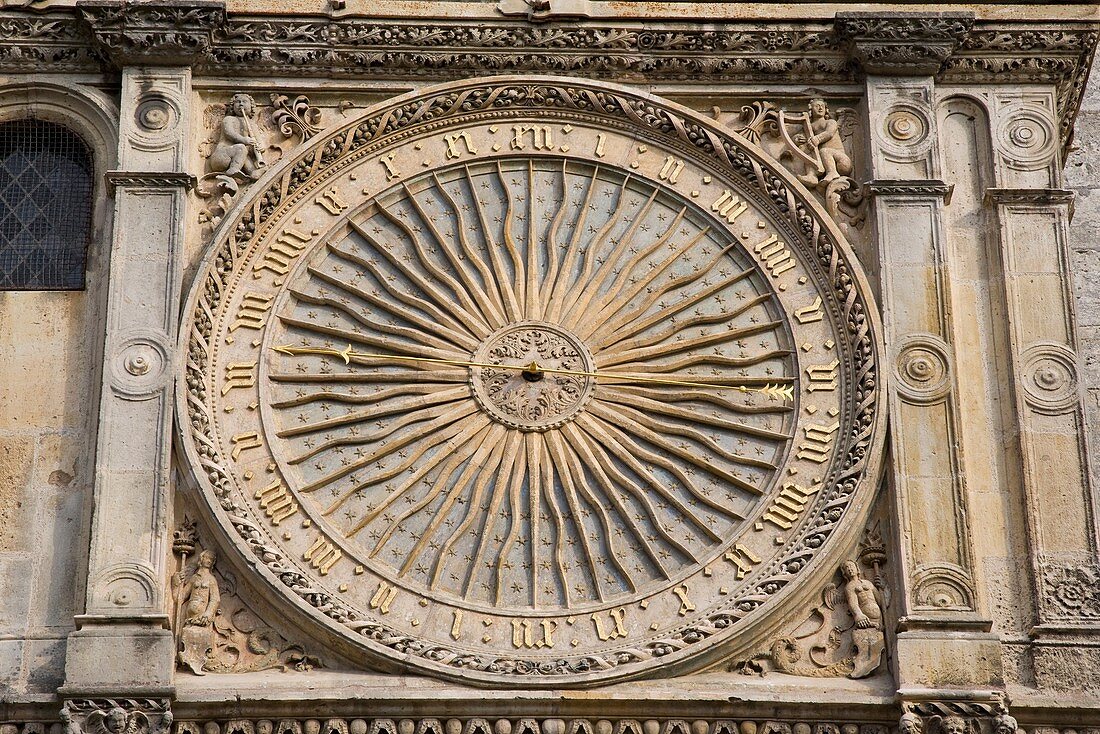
point(769, 389)
point(773, 390)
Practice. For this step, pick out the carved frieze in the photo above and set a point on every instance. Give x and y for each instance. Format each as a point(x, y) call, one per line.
point(983, 51)
point(987, 715)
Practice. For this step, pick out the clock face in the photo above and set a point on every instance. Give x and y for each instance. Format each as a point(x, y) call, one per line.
point(525, 396)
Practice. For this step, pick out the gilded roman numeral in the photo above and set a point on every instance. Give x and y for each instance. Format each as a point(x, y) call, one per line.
point(523, 636)
point(278, 257)
point(729, 205)
point(600, 140)
point(822, 376)
point(610, 627)
point(811, 313)
point(818, 442)
point(670, 171)
point(787, 506)
point(239, 375)
point(686, 604)
point(323, 555)
point(251, 313)
point(387, 162)
point(331, 202)
point(775, 256)
point(383, 597)
point(277, 502)
point(542, 137)
point(742, 558)
point(245, 441)
point(452, 145)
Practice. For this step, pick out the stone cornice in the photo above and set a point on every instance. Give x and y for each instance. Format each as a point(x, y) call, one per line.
point(111, 33)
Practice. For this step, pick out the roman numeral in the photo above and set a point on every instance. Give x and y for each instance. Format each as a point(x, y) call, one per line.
point(452, 145)
point(670, 171)
point(610, 627)
point(822, 376)
point(286, 247)
point(729, 206)
point(251, 313)
point(277, 502)
point(788, 505)
point(323, 555)
point(818, 443)
point(775, 256)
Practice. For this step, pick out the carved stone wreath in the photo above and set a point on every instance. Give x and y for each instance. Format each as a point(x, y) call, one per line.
point(836, 509)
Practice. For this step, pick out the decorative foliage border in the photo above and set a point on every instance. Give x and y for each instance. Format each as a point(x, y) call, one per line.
point(556, 98)
point(740, 51)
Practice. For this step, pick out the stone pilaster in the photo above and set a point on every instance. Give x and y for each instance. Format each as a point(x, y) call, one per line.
point(123, 645)
point(1031, 217)
point(941, 627)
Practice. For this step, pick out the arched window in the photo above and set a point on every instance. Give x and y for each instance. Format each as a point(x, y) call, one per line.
point(46, 182)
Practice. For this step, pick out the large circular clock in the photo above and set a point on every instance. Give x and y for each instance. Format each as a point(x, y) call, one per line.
point(533, 381)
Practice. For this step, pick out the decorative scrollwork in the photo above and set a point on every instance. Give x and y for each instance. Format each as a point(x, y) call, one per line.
point(295, 117)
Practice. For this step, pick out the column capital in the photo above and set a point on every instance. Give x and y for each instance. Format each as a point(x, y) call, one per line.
point(166, 33)
point(902, 44)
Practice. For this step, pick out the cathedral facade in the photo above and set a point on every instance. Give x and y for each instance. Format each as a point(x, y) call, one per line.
point(548, 367)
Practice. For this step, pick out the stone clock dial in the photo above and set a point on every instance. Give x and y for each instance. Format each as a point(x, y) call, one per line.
point(511, 392)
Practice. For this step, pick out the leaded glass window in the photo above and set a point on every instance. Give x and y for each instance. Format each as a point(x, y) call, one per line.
point(45, 206)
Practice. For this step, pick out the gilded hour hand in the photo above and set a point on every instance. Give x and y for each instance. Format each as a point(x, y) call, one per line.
point(534, 371)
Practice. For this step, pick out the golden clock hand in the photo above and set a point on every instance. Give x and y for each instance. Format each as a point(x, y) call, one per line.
point(772, 390)
point(346, 354)
point(768, 389)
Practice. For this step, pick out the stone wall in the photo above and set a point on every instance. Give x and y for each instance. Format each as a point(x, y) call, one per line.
point(1082, 175)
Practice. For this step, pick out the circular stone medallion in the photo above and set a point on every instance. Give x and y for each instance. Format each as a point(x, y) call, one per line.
point(549, 392)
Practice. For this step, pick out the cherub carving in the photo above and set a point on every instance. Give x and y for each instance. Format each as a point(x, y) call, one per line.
point(236, 158)
point(811, 145)
point(828, 160)
point(837, 640)
point(117, 720)
point(237, 152)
